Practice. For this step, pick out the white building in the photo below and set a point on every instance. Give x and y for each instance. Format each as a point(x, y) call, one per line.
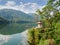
point(40, 25)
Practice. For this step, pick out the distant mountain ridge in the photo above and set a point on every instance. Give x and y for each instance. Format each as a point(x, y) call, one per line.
point(14, 15)
point(35, 16)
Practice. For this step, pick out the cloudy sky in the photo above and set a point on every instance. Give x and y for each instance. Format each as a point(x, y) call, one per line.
point(27, 6)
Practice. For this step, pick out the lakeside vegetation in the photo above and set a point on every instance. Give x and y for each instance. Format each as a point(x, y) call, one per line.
point(49, 34)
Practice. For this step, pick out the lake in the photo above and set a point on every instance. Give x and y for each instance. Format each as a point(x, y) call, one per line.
point(14, 33)
point(14, 39)
point(13, 28)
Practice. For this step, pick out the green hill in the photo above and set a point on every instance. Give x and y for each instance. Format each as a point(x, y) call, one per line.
point(14, 15)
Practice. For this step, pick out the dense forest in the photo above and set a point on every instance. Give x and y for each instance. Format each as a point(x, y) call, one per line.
point(49, 34)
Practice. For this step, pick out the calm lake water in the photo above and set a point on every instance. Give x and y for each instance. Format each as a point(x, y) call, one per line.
point(14, 33)
point(14, 28)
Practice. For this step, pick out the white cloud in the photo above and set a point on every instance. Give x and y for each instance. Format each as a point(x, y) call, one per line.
point(30, 7)
point(10, 3)
point(58, 8)
point(4, 39)
point(55, 1)
point(24, 7)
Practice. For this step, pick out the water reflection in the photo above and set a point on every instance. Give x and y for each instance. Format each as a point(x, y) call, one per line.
point(13, 28)
point(2, 25)
point(14, 33)
point(15, 39)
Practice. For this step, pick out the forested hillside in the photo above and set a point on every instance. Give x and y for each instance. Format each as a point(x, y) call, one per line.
point(14, 15)
point(49, 34)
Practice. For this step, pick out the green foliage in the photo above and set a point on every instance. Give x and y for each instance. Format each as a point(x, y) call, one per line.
point(31, 36)
point(50, 33)
point(44, 42)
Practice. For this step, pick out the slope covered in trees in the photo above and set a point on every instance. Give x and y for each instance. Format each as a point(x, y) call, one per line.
point(14, 15)
point(49, 34)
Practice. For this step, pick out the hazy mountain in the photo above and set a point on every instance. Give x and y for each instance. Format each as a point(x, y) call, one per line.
point(14, 15)
point(35, 17)
point(23, 21)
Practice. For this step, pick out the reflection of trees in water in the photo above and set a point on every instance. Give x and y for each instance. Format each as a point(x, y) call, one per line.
point(3, 22)
point(2, 25)
point(14, 28)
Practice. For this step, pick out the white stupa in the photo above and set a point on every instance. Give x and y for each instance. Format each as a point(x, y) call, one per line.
point(39, 24)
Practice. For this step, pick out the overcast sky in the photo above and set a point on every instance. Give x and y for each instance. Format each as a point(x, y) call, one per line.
point(27, 6)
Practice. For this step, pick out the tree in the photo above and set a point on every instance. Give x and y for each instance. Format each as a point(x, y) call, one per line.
point(50, 15)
